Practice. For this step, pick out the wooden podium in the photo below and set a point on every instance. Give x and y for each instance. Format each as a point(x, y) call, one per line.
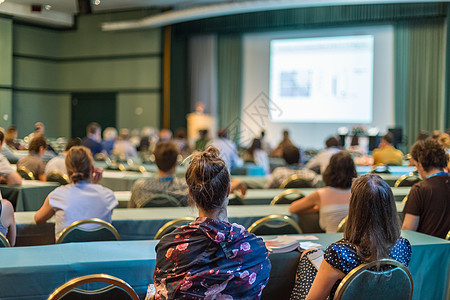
point(199, 121)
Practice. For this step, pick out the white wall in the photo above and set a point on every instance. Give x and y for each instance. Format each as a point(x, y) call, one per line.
point(310, 135)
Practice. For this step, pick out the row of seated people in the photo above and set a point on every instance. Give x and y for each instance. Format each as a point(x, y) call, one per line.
point(241, 267)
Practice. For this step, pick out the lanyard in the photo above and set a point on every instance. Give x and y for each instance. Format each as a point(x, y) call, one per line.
point(438, 174)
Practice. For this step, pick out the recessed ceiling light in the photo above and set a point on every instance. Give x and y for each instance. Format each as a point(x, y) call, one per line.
point(47, 7)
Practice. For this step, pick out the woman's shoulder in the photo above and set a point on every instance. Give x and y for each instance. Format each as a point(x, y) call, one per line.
point(401, 251)
point(342, 255)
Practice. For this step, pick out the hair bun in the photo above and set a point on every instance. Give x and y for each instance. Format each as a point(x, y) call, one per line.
point(211, 152)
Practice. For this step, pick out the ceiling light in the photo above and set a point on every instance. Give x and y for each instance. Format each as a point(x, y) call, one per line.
point(47, 7)
point(96, 2)
point(1, 1)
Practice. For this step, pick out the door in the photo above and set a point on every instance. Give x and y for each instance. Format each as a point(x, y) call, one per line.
point(92, 107)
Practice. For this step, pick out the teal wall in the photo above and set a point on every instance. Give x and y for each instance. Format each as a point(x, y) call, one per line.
point(48, 65)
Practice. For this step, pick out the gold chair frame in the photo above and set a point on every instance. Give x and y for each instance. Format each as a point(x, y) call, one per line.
point(4, 241)
point(73, 283)
point(163, 230)
point(281, 218)
point(169, 197)
point(402, 178)
point(64, 176)
point(23, 172)
point(346, 281)
point(296, 177)
point(286, 193)
point(341, 226)
point(100, 222)
point(448, 236)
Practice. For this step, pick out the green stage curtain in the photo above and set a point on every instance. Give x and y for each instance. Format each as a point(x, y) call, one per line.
point(229, 82)
point(419, 76)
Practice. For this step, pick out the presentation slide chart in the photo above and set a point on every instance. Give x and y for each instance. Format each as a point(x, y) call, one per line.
point(322, 79)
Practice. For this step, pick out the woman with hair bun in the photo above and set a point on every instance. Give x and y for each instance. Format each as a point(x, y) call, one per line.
point(210, 258)
point(82, 199)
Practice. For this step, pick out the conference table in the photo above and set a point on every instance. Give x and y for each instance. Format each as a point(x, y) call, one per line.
point(34, 272)
point(144, 223)
point(29, 196)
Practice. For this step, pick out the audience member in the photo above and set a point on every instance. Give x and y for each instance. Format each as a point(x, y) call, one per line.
point(331, 201)
point(93, 139)
point(39, 130)
point(7, 221)
point(291, 155)
point(228, 149)
point(423, 135)
point(165, 135)
point(210, 258)
point(181, 141)
point(82, 198)
point(33, 161)
point(123, 147)
point(265, 146)
point(59, 163)
point(203, 140)
point(11, 138)
point(427, 209)
point(355, 149)
point(372, 233)
point(109, 139)
point(166, 154)
point(7, 151)
point(286, 141)
point(257, 156)
point(320, 162)
point(7, 173)
point(386, 154)
point(149, 137)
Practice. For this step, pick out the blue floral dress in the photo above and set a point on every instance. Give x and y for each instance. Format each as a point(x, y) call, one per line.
point(342, 256)
point(210, 259)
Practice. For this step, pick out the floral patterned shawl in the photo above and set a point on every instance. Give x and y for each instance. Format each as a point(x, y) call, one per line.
point(210, 259)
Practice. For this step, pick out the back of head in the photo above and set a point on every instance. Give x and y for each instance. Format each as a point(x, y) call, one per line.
point(331, 142)
point(72, 143)
point(208, 179)
point(92, 128)
point(166, 154)
point(39, 127)
point(389, 138)
point(430, 153)
point(291, 154)
point(79, 164)
point(124, 134)
point(165, 135)
point(180, 133)
point(372, 224)
point(36, 143)
point(11, 133)
point(355, 141)
point(340, 171)
point(203, 133)
point(110, 133)
point(2, 137)
point(222, 133)
point(444, 140)
point(285, 134)
point(423, 135)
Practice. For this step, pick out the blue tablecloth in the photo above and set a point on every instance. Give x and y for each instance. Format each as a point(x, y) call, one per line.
point(29, 196)
point(34, 272)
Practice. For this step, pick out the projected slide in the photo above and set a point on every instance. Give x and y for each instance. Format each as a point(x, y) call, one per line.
point(322, 80)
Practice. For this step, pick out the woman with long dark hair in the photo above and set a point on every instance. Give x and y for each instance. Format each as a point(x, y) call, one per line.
point(210, 258)
point(372, 233)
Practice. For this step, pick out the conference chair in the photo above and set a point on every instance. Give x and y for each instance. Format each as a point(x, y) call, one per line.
point(56, 176)
point(405, 199)
point(172, 225)
point(391, 281)
point(76, 232)
point(298, 181)
point(160, 200)
point(448, 236)
point(116, 288)
point(4, 241)
point(275, 225)
point(407, 180)
point(25, 173)
point(234, 199)
point(287, 197)
point(380, 169)
point(102, 157)
point(341, 226)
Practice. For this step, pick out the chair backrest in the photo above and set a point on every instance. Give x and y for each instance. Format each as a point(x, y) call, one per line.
point(102, 231)
point(161, 200)
point(4, 241)
point(341, 226)
point(56, 176)
point(234, 199)
point(172, 225)
point(25, 173)
point(116, 289)
point(274, 225)
point(407, 180)
point(448, 236)
point(287, 197)
point(391, 281)
point(297, 181)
